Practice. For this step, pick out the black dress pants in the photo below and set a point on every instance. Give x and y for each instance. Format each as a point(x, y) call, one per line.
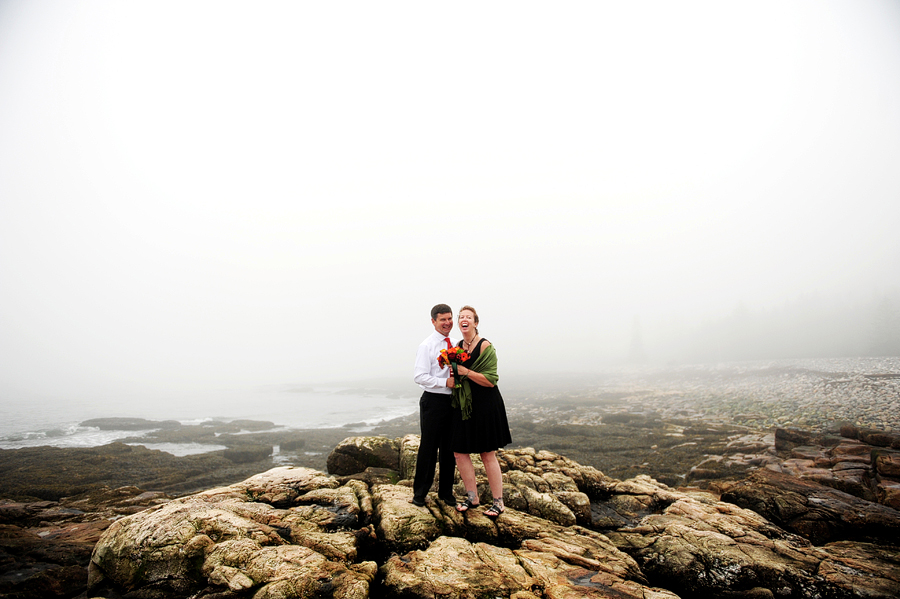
point(434, 425)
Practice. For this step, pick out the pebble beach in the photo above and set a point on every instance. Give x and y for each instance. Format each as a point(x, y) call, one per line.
point(812, 394)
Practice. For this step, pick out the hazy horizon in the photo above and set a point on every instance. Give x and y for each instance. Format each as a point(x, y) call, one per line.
point(199, 196)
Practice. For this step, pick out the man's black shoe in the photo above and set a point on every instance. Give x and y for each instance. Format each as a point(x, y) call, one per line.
point(417, 502)
point(451, 500)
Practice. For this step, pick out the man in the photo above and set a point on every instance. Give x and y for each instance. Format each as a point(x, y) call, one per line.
point(435, 411)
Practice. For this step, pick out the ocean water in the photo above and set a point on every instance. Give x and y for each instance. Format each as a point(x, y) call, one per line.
point(57, 423)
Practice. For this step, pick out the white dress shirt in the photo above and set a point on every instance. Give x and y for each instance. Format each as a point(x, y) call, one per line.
point(427, 374)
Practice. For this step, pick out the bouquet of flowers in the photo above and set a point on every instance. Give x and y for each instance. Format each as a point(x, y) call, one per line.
point(452, 357)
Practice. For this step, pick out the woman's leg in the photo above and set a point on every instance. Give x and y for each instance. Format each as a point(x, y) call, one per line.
point(467, 474)
point(494, 476)
point(466, 471)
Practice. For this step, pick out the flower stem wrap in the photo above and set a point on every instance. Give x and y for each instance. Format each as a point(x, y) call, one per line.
point(486, 365)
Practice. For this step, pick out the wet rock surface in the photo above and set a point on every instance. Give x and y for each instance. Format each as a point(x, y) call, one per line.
point(45, 546)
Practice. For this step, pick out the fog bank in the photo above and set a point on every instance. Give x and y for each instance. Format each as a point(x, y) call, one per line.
point(210, 196)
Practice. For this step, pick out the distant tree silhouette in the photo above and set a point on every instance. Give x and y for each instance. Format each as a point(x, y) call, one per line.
point(636, 353)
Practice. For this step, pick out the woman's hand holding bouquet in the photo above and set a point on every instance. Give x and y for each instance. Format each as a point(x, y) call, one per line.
point(452, 357)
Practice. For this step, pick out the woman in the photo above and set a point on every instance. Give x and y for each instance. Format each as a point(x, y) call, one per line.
point(479, 416)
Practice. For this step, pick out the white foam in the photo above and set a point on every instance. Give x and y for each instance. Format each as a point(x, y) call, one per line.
point(182, 449)
point(71, 436)
point(58, 425)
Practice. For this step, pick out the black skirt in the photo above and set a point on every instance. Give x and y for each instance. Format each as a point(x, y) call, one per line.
point(487, 429)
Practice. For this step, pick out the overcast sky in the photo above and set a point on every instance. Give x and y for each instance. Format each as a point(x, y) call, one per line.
point(219, 193)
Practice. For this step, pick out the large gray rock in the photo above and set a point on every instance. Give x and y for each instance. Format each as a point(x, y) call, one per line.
point(587, 479)
point(355, 454)
point(400, 525)
point(531, 493)
point(409, 450)
point(233, 538)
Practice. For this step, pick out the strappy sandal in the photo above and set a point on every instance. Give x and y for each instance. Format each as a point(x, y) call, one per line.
point(496, 509)
point(466, 505)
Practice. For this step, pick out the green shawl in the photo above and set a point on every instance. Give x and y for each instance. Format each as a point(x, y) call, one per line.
point(486, 364)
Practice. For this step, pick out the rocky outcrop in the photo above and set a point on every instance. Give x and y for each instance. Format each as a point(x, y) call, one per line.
point(817, 512)
point(704, 548)
point(51, 473)
point(568, 531)
point(861, 462)
point(317, 544)
point(870, 436)
point(130, 424)
point(102, 504)
point(787, 439)
point(358, 453)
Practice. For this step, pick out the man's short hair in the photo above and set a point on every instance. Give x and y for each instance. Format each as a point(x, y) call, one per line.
point(440, 309)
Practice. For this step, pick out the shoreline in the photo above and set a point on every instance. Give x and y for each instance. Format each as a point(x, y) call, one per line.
point(661, 422)
point(763, 393)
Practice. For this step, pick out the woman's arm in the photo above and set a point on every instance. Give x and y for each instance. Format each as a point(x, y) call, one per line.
point(477, 377)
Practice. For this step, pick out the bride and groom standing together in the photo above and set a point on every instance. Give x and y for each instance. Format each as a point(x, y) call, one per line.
point(456, 421)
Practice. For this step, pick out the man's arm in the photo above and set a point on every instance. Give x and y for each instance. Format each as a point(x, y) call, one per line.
point(422, 372)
